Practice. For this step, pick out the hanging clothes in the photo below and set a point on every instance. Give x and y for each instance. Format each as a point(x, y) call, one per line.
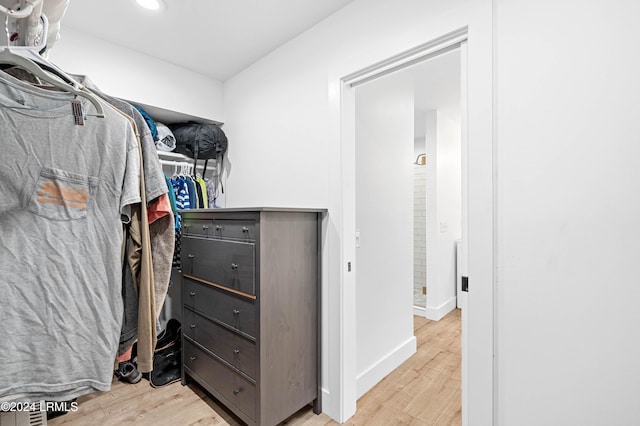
point(160, 208)
point(182, 201)
point(181, 190)
point(191, 189)
point(67, 191)
point(172, 201)
point(204, 199)
point(161, 240)
point(211, 192)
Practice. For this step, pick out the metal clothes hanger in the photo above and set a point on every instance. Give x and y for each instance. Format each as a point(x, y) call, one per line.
point(26, 58)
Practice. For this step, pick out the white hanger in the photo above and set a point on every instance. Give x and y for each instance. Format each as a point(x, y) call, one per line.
point(33, 53)
point(17, 13)
point(26, 58)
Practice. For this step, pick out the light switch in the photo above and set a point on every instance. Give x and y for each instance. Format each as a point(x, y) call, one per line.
point(357, 238)
point(443, 227)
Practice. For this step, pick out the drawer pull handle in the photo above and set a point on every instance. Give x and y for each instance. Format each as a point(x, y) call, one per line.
point(236, 351)
point(236, 312)
point(193, 358)
point(219, 227)
point(245, 229)
point(192, 293)
point(205, 227)
point(237, 391)
point(191, 256)
point(234, 266)
point(193, 326)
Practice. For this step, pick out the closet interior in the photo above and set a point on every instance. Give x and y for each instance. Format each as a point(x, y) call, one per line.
point(122, 255)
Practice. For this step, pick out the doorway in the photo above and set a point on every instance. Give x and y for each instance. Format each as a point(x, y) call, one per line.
point(392, 114)
point(476, 95)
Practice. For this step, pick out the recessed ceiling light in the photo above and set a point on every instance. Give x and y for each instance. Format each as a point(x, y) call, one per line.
point(152, 4)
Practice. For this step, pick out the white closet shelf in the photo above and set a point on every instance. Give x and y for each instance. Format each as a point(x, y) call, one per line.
point(166, 116)
point(174, 156)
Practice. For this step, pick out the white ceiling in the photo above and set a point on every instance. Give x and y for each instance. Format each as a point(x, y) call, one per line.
point(217, 38)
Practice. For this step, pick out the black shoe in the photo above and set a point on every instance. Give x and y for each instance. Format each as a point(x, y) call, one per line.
point(167, 367)
point(128, 372)
point(170, 336)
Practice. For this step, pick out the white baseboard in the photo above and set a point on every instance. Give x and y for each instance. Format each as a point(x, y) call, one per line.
point(437, 313)
point(419, 311)
point(329, 407)
point(370, 377)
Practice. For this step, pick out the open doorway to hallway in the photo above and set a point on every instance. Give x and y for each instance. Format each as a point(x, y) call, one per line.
point(400, 119)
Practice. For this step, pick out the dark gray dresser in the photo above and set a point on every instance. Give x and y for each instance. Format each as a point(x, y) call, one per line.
point(250, 293)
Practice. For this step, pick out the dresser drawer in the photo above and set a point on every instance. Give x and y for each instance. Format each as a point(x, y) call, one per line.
point(231, 347)
point(237, 390)
point(223, 262)
point(203, 227)
point(235, 311)
point(242, 229)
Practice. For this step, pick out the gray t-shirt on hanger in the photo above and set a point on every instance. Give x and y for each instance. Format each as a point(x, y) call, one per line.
point(64, 193)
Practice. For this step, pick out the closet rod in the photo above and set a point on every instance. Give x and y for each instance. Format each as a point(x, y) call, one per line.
point(179, 163)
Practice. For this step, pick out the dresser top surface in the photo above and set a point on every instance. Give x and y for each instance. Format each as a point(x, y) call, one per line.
point(254, 209)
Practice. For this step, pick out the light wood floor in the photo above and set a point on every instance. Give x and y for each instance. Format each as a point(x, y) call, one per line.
point(424, 390)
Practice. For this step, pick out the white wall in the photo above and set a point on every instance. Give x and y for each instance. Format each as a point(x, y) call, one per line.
point(433, 252)
point(284, 118)
point(444, 210)
point(384, 206)
point(568, 215)
point(124, 73)
point(419, 226)
point(449, 208)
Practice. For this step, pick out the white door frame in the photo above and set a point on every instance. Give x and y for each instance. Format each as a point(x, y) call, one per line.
point(477, 359)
